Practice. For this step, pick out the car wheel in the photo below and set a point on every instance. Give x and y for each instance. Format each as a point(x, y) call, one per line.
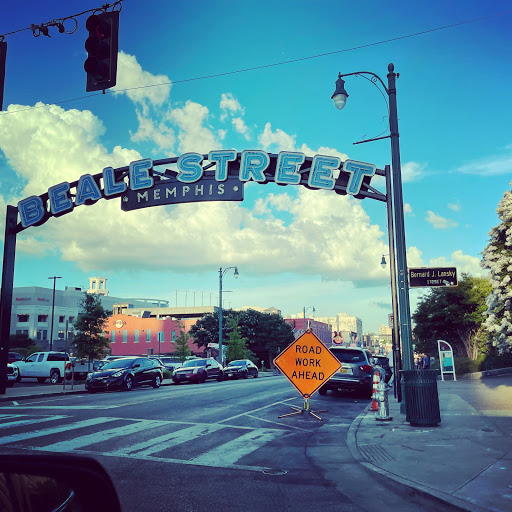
point(322, 391)
point(157, 381)
point(128, 383)
point(220, 377)
point(41, 379)
point(245, 375)
point(256, 374)
point(55, 377)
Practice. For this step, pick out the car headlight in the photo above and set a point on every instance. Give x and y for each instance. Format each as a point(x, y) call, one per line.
point(89, 376)
point(195, 370)
point(118, 374)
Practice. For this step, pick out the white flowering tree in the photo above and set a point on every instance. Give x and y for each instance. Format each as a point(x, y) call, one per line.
point(497, 257)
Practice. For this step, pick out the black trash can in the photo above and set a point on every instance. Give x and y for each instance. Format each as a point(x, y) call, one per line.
point(421, 398)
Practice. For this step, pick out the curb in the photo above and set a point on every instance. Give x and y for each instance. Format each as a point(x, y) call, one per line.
point(484, 374)
point(400, 482)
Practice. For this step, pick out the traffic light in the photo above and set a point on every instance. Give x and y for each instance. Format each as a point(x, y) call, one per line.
point(101, 46)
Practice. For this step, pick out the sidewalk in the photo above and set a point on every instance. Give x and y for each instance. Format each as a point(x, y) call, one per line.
point(464, 461)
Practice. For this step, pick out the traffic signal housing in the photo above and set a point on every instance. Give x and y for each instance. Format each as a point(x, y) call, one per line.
point(101, 47)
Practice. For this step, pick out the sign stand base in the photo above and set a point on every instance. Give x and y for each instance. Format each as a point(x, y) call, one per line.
point(305, 408)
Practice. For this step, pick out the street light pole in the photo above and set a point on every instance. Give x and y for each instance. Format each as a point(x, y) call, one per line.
point(221, 275)
point(340, 98)
point(53, 308)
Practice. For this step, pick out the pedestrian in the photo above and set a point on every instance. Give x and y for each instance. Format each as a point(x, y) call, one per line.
point(426, 362)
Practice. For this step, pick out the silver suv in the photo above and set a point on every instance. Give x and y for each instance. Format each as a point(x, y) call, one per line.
point(356, 372)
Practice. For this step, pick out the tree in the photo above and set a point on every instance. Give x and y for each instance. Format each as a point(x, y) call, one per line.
point(182, 349)
point(236, 345)
point(497, 257)
point(455, 314)
point(89, 341)
point(206, 329)
point(23, 344)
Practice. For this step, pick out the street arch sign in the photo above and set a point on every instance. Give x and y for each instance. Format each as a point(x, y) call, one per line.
point(307, 363)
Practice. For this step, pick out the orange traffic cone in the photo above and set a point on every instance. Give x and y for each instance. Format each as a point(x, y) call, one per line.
point(376, 380)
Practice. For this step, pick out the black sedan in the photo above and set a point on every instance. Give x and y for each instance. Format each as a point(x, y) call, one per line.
point(124, 374)
point(198, 370)
point(242, 368)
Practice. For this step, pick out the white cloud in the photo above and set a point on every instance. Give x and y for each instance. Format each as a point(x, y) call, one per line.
point(231, 105)
point(130, 75)
point(194, 135)
point(489, 166)
point(414, 257)
point(407, 208)
point(463, 262)
point(241, 127)
point(276, 141)
point(412, 171)
point(456, 207)
point(439, 222)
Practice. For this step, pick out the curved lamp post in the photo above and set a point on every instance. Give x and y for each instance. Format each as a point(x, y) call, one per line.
point(221, 275)
point(339, 98)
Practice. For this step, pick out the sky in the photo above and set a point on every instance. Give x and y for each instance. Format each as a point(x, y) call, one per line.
point(260, 75)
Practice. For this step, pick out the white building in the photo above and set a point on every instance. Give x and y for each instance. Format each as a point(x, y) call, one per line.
point(345, 323)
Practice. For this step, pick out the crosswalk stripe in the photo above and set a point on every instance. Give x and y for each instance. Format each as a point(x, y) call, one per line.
point(102, 435)
point(30, 421)
point(165, 441)
point(13, 438)
point(228, 453)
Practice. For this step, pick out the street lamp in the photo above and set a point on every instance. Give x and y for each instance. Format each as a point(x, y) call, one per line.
point(304, 322)
point(339, 98)
point(53, 308)
point(221, 275)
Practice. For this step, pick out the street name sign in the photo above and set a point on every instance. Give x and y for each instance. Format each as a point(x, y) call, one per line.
point(434, 276)
point(307, 363)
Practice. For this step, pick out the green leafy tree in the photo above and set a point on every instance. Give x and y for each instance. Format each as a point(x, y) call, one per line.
point(497, 258)
point(89, 341)
point(182, 349)
point(236, 344)
point(206, 329)
point(455, 314)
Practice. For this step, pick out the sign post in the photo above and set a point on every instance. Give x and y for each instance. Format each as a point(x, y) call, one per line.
point(307, 363)
point(446, 361)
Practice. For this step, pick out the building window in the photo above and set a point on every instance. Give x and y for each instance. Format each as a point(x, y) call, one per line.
point(22, 332)
point(22, 318)
point(61, 319)
point(125, 336)
point(136, 336)
point(71, 319)
point(148, 335)
point(42, 318)
point(150, 351)
point(42, 334)
point(173, 335)
point(61, 335)
point(113, 337)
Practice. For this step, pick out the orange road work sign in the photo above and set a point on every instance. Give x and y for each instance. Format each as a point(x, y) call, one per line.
point(307, 363)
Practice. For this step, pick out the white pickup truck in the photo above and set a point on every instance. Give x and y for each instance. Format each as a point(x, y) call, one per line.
point(42, 366)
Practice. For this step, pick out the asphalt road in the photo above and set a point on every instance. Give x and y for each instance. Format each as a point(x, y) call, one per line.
point(213, 446)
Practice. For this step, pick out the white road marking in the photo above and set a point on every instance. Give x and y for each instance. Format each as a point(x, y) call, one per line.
point(256, 410)
point(228, 453)
point(278, 423)
point(165, 441)
point(102, 435)
point(61, 407)
point(13, 438)
point(29, 421)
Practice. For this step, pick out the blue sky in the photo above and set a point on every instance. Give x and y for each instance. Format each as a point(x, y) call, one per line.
point(294, 247)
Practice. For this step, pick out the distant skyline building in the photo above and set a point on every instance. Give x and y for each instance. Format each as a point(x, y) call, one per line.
point(345, 323)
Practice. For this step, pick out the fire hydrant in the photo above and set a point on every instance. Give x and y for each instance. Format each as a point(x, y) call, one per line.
point(382, 398)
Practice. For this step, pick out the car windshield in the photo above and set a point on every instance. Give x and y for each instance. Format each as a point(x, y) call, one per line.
point(236, 363)
point(118, 363)
point(195, 362)
point(349, 356)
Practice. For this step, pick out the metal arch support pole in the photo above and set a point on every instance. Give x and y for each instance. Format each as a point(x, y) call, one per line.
point(394, 299)
point(306, 408)
point(11, 219)
point(220, 315)
point(401, 254)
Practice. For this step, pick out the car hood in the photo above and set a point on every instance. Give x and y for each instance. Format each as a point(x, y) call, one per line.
point(108, 373)
point(234, 368)
point(187, 368)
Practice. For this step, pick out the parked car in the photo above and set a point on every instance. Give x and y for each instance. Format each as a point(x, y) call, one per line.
point(43, 365)
point(169, 362)
point(12, 375)
point(198, 370)
point(125, 373)
point(355, 374)
point(14, 356)
point(383, 362)
point(240, 369)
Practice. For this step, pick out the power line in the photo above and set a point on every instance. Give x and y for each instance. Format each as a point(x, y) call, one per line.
point(275, 64)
